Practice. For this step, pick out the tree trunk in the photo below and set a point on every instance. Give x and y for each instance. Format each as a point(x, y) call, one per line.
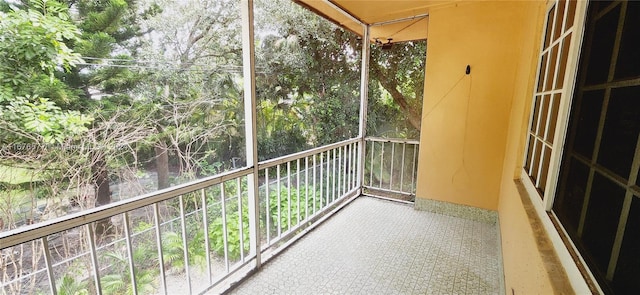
point(412, 115)
point(102, 191)
point(162, 164)
point(390, 84)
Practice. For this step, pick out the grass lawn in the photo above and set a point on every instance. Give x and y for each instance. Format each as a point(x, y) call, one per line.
point(14, 175)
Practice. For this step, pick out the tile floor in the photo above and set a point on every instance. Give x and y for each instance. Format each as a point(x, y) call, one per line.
point(374, 246)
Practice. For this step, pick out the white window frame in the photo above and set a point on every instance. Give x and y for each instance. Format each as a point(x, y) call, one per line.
point(543, 206)
point(577, 33)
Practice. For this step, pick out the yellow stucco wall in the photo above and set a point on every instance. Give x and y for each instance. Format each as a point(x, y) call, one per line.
point(524, 268)
point(466, 117)
point(474, 127)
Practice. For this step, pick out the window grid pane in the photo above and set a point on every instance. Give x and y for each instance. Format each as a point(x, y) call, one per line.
point(548, 95)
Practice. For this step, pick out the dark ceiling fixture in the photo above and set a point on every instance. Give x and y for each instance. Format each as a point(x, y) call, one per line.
point(384, 46)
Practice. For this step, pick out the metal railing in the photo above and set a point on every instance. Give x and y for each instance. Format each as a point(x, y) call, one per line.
point(185, 239)
point(314, 181)
point(391, 166)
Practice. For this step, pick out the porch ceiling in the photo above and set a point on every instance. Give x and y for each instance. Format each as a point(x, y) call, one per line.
point(402, 20)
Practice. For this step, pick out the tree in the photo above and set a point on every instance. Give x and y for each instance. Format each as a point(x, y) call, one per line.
point(106, 27)
point(311, 74)
point(192, 85)
point(32, 45)
point(400, 72)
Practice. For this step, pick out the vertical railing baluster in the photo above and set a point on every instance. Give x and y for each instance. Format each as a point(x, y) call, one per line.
point(373, 147)
point(48, 262)
point(333, 181)
point(127, 236)
point(156, 221)
point(328, 183)
point(393, 151)
point(94, 258)
point(404, 147)
point(321, 180)
point(340, 180)
point(314, 184)
point(348, 168)
point(298, 187)
point(289, 195)
point(205, 222)
point(267, 211)
point(356, 167)
point(279, 201)
point(413, 170)
point(240, 221)
point(306, 188)
point(185, 246)
point(381, 163)
point(225, 233)
point(344, 170)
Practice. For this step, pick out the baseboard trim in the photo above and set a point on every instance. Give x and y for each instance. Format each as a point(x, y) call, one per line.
point(457, 210)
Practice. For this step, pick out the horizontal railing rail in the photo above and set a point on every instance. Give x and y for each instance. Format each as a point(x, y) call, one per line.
point(392, 140)
point(30, 232)
point(300, 155)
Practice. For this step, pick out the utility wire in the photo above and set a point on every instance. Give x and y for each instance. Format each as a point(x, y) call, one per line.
point(148, 61)
point(229, 69)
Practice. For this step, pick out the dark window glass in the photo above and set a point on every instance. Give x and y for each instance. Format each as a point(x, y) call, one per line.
point(621, 129)
point(602, 47)
point(568, 204)
point(628, 65)
point(591, 192)
point(601, 5)
point(627, 275)
point(602, 218)
point(587, 122)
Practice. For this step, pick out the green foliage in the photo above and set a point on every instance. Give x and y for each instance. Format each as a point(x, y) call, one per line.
point(313, 98)
point(281, 131)
point(33, 44)
point(12, 202)
point(68, 285)
point(118, 280)
point(216, 232)
point(232, 217)
point(173, 248)
point(297, 201)
point(25, 117)
point(34, 41)
point(396, 89)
